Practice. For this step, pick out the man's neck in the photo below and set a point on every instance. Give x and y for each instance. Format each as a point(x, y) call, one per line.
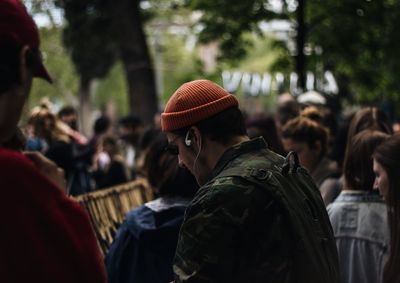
point(216, 150)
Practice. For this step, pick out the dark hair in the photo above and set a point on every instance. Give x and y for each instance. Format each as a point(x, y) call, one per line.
point(388, 156)
point(101, 125)
point(369, 118)
point(302, 129)
point(111, 141)
point(130, 121)
point(66, 111)
point(264, 125)
point(287, 111)
point(329, 120)
point(221, 127)
point(163, 172)
point(10, 64)
point(147, 137)
point(358, 172)
point(338, 150)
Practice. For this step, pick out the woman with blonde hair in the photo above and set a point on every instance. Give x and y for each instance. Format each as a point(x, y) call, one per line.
point(59, 146)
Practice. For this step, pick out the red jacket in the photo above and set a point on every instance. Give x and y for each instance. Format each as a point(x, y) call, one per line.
point(44, 236)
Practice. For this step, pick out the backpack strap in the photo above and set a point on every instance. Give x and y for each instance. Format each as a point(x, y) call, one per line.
point(259, 174)
point(291, 165)
point(287, 165)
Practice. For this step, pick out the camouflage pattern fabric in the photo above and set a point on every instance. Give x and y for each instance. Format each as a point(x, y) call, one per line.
point(251, 223)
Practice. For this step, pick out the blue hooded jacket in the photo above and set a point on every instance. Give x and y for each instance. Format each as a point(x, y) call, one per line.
point(144, 246)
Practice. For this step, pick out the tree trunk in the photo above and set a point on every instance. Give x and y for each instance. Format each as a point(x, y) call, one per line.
point(136, 60)
point(300, 41)
point(85, 107)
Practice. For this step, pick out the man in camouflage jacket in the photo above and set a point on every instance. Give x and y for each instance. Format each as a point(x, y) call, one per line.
point(258, 217)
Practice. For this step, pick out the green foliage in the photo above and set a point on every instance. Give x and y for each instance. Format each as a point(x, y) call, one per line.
point(65, 85)
point(360, 43)
point(60, 67)
point(180, 64)
point(359, 39)
point(88, 36)
point(264, 54)
point(228, 20)
point(171, 40)
point(113, 89)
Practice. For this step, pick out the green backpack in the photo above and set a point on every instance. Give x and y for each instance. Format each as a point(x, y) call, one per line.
point(315, 255)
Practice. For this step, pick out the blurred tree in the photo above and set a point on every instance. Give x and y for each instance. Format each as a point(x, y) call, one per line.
point(113, 89)
point(128, 28)
point(101, 31)
point(87, 36)
point(114, 85)
point(360, 42)
point(46, 7)
point(301, 36)
point(65, 82)
point(228, 20)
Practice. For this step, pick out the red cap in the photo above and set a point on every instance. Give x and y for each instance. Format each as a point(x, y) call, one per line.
point(193, 102)
point(18, 27)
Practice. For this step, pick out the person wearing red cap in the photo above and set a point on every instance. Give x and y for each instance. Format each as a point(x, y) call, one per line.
point(258, 217)
point(45, 237)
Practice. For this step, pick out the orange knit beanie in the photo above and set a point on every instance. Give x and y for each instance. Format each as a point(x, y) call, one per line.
point(195, 101)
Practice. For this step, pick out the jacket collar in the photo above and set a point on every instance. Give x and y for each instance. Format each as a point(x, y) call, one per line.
point(237, 150)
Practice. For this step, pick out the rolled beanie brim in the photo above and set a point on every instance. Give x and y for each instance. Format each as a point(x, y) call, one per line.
point(193, 102)
point(171, 121)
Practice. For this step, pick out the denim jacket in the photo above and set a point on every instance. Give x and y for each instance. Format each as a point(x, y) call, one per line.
point(359, 221)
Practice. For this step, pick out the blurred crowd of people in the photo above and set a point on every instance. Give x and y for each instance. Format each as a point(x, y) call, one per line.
point(337, 151)
point(320, 203)
point(110, 156)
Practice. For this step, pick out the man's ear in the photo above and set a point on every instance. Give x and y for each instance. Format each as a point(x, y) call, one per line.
point(195, 136)
point(23, 67)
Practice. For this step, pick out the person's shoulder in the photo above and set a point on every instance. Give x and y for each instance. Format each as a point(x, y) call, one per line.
point(228, 185)
point(243, 172)
point(139, 219)
point(230, 191)
point(262, 158)
point(21, 179)
point(133, 214)
point(335, 207)
point(17, 171)
point(12, 160)
point(339, 208)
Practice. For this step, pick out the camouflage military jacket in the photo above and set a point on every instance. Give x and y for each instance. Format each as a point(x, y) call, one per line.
point(243, 226)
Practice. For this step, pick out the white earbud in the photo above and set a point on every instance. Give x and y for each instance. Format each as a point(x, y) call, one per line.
point(188, 141)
